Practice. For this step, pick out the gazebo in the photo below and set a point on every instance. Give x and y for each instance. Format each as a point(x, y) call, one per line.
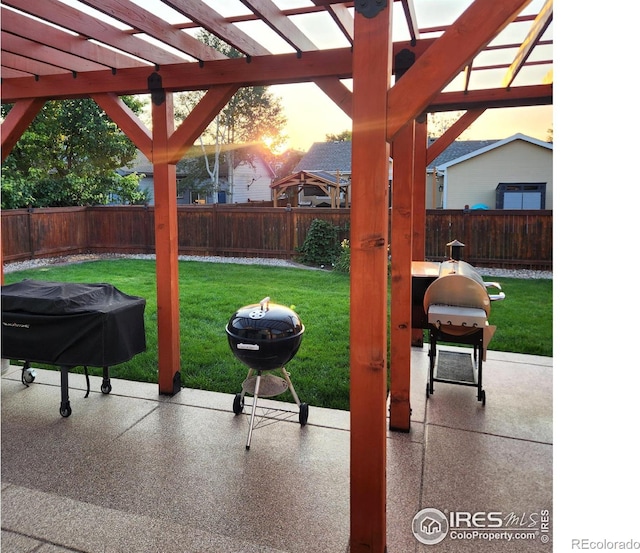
point(333, 187)
point(482, 56)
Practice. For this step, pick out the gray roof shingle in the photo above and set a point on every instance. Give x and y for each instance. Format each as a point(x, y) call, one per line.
point(336, 156)
point(459, 148)
point(326, 156)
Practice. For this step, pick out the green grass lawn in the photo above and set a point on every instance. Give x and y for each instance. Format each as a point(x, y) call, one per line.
point(211, 292)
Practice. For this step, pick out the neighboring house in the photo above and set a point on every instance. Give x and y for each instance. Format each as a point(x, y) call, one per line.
point(144, 168)
point(249, 182)
point(252, 181)
point(514, 173)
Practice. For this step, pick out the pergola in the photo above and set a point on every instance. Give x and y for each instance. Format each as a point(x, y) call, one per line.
point(331, 186)
point(479, 55)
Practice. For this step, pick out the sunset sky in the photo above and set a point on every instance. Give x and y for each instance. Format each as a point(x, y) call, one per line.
point(312, 115)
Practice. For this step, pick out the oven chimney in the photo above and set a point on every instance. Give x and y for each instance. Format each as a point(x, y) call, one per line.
point(455, 250)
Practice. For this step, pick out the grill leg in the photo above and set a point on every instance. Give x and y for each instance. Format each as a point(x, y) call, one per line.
point(481, 393)
point(105, 388)
point(285, 374)
point(65, 404)
point(253, 410)
point(432, 361)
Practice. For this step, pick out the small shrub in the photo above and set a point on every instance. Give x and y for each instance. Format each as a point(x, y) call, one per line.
point(320, 246)
point(343, 263)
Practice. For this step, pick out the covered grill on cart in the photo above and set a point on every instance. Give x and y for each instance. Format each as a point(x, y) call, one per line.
point(265, 336)
point(69, 325)
point(453, 303)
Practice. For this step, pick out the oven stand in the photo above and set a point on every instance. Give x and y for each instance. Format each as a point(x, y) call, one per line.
point(476, 340)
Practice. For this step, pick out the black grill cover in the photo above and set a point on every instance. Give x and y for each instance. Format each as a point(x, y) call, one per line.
point(71, 324)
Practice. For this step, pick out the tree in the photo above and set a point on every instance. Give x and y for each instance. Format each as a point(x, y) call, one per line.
point(344, 136)
point(438, 123)
point(284, 163)
point(69, 156)
point(253, 117)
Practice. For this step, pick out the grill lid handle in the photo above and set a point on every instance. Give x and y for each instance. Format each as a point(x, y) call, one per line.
point(495, 297)
point(264, 304)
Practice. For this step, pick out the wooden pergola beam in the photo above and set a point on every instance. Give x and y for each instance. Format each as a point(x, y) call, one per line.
point(88, 26)
point(199, 119)
point(453, 132)
point(17, 121)
point(212, 21)
point(540, 24)
point(156, 27)
point(127, 121)
point(259, 70)
point(532, 95)
point(341, 16)
point(443, 60)
point(46, 54)
point(280, 24)
point(338, 92)
point(16, 23)
point(412, 21)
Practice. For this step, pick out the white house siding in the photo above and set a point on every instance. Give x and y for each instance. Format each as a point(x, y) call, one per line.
point(251, 183)
point(474, 180)
point(146, 183)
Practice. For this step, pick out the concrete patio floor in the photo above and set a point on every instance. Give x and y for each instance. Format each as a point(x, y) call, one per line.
point(133, 471)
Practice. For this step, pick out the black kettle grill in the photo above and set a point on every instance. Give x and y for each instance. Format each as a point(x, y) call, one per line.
point(265, 337)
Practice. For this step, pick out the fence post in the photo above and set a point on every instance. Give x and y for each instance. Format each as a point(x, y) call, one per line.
point(293, 240)
point(30, 231)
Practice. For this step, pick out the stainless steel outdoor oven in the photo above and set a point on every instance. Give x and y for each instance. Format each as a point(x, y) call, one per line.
point(453, 303)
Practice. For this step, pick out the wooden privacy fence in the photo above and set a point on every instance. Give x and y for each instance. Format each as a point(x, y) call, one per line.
point(512, 239)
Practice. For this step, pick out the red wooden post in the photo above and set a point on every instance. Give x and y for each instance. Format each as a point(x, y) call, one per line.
point(401, 255)
point(166, 234)
point(18, 121)
point(368, 323)
point(419, 206)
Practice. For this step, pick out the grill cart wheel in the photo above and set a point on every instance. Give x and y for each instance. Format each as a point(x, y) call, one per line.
point(65, 410)
point(238, 404)
point(304, 413)
point(28, 374)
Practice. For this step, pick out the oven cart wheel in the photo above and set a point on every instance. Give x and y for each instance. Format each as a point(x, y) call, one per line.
point(482, 396)
point(304, 414)
point(65, 409)
point(238, 404)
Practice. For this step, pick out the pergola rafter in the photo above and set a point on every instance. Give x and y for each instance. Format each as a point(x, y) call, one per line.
point(51, 50)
